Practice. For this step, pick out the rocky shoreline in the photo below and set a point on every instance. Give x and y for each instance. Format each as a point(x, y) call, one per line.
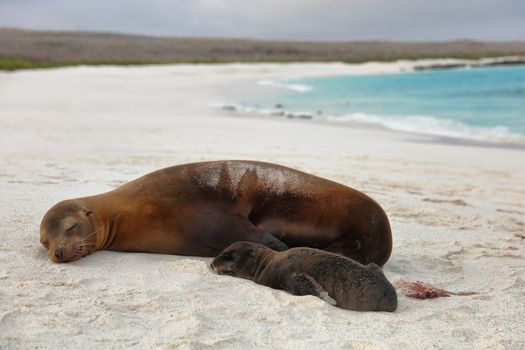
point(484, 62)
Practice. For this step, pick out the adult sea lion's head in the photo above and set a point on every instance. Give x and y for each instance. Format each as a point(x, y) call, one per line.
point(68, 231)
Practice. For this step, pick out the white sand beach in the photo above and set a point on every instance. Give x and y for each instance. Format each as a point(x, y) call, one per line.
point(457, 212)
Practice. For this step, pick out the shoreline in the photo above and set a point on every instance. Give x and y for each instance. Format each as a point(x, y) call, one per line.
point(291, 71)
point(469, 135)
point(14, 64)
point(354, 124)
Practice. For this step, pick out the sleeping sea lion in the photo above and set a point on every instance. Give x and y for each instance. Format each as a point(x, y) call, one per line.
point(201, 208)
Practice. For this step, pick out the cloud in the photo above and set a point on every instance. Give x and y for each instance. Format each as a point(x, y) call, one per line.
point(279, 19)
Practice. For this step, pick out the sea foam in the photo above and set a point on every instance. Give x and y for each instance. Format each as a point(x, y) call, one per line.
point(429, 125)
point(283, 84)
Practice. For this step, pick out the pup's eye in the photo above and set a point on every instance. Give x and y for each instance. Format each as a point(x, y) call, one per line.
point(72, 227)
point(89, 212)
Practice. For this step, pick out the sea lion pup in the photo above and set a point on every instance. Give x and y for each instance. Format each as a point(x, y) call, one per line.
point(338, 280)
point(201, 208)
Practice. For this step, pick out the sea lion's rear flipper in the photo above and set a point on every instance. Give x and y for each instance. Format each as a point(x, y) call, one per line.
point(304, 284)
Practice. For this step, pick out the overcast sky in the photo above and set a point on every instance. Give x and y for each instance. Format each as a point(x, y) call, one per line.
point(278, 19)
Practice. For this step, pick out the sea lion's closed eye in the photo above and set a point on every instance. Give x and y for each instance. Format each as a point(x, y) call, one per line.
point(72, 227)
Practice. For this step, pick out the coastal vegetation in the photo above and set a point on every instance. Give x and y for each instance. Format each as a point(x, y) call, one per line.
point(24, 49)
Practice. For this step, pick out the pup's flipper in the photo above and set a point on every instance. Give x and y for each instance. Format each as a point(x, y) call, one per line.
point(304, 284)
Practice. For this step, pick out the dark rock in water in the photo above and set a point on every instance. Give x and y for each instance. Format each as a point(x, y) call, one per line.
point(299, 116)
point(231, 108)
point(440, 66)
point(279, 106)
point(488, 62)
point(304, 116)
point(319, 112)
point(516, 61)
point(278, 113)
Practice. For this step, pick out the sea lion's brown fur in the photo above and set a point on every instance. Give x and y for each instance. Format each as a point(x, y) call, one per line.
point(201, 208)
point(338, 280)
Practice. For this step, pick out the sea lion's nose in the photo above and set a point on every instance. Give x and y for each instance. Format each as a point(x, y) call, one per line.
point(58, 253)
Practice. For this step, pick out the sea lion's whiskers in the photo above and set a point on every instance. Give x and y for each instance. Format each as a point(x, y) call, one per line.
point(91, 234)
point(82, 244)
point(78, 251)
point(67, 250)
point(80, 248)
point(72, 248)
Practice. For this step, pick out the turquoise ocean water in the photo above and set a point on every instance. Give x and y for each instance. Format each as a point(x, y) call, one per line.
point(473, 103)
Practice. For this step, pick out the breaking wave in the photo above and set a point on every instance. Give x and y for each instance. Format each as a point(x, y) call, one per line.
point(420, 124)
point(284, 84)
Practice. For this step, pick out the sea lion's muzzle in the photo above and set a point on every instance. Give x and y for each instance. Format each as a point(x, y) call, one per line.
point(45, 243)
point(58, 254)
point(221, 267)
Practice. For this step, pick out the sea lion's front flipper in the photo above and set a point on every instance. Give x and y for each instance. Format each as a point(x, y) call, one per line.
point(304, 284)
point(217, 230)
point(272, 242)
point(244, 230)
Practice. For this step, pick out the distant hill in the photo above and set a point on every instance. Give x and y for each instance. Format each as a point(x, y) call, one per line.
point(26, 49)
